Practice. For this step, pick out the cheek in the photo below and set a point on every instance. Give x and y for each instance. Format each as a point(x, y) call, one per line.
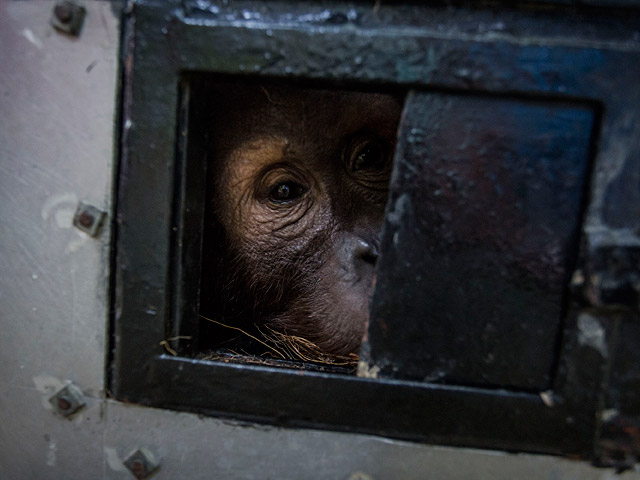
point(285, 238)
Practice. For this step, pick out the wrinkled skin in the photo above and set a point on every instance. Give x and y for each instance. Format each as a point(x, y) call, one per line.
point(300, 180)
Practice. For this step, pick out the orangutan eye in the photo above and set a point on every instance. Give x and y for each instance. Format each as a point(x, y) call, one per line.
point(371, 156)
point(286, 192)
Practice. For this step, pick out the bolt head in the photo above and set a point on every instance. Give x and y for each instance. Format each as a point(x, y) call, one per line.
point(85, 219)
point(88, 219)
point(68, 17)
point(141, 463)
point(68, 400)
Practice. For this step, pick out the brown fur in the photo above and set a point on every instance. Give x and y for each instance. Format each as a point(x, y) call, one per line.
point(303, 267)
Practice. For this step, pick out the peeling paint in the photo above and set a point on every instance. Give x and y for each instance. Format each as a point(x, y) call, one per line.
point(62, 207)
point(367, 371)
point(591, 334)
point(29, 35)
point(113, 460)
point(47, 384)
point(77, 243)
point(547, 398)
point(52, 453)
point(609, 414)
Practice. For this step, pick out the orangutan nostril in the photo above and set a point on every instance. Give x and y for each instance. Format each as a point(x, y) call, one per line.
point(366, 251)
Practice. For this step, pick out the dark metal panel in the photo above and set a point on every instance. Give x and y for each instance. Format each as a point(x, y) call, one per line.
point(415, 411)
point(481, 227)
point(197, 448)
point(582, 373)
point(144, 221)
point(592, 69)
point(624, 394)
point(452, 18)
point(187, 237)
point(412, 56)
point(619, 437)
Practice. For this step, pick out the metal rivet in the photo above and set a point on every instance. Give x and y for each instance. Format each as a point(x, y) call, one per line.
point(88, 219)
point(68, 17)
point(68, 400)
point(141, 463)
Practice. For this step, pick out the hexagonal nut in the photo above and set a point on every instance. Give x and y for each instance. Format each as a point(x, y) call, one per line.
point(68, 17)
point(68, 400)
point(88, 219)
point(141, 463)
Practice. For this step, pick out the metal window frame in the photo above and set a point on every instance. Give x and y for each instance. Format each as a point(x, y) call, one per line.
point(159, 198)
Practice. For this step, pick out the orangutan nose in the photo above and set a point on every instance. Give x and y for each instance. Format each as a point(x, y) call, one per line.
point(366, 250)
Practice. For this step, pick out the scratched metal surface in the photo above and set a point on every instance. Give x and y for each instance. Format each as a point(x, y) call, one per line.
point(56, 149)
point(491, 191)
point(201, 448)
point(57, 99)
point(56, 142)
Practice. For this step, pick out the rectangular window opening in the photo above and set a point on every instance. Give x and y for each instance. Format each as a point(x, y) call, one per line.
point(296, 185)
point(280, 209)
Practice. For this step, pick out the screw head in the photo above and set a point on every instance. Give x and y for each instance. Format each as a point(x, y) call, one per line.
point(88, 218)
point(68, 400)
point(85, 219)
point(68, 17)
point(141, 463)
